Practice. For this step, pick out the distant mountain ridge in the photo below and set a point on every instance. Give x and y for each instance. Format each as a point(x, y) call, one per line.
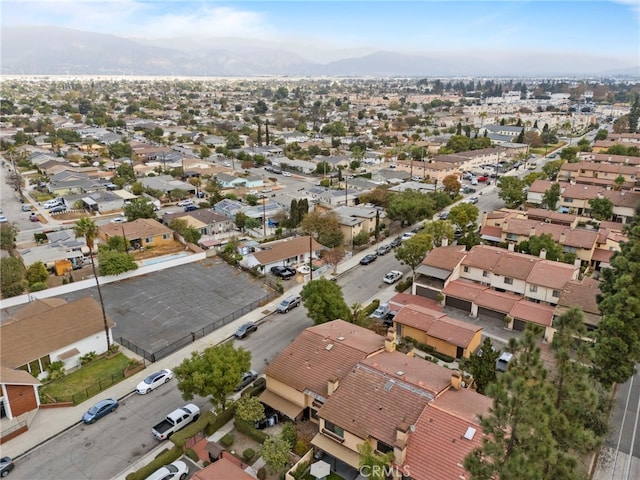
point(63, 51)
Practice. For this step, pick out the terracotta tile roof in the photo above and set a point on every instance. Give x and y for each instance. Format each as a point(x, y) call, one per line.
point(307, 363)
point(418, 317)
point(580, 238)
point(622, 198)
point(16, 377)
point(402, 299)
point(437, 447)
point(464, 289)
point(553, 217)
point(491, 232)
point(514, 265)
point(540, 186)
point(222, 469)
point(445, 258)
point(579, 191)
point(140, 228)
point(369, 403)
point(483, 257)
point(581, 294)
point(551, 274)
point(453, 331)
point(499, 301)
point(602, 255)
point(286, 249)
point(32, 337)
point(533, 312)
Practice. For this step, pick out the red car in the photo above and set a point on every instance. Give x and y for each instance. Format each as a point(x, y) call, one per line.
point(483, 178)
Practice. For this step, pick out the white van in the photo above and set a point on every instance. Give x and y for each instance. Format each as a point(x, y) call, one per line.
point(503, 361)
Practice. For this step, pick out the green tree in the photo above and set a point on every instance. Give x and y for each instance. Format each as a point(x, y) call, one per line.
point(439, 231)
point(252, 223)
point(214, 190)
point(451, 184)
point(552, 168)
point(576, 400)
point(602, 134)
point(464, 216)
point(512, 191)
point(531, 177)
point(137, 188)
point(518, 441)
point(536, 243)
point(617, 347)
point(8, 232)
point(12, 281)
point(634, 114)
point(37, 273)
point(87, 228)
point(458, 143)
point(482, 365)
point(215, 373)
point(241, 221)
point(205, 152)
point(324, 301)
point(249, 409)
point(115, 262)
point(325, 227)
point(551, 196)
point(570, 154)
point(275, 452)
point(413, 250)
point(410, 206)
point(601, 208)
point(251, 199)
point(140, 208)
point(373, 463)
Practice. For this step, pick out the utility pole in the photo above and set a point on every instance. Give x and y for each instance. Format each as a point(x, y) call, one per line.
point(310, 257)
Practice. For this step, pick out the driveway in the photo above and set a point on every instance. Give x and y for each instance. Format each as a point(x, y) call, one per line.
point(157, 310)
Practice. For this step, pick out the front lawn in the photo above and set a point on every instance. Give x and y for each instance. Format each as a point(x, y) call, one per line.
point(87, 381)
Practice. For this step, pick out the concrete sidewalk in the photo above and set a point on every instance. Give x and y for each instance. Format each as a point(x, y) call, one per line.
point(46, 424)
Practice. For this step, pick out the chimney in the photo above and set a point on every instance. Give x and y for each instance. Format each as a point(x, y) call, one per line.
point(445, 241)
point(532, 232)
point(390, 340)
point(485, 215)
point(400, 447)
point(332, 386)
point(456, 380)
point(562, 239)
point(543, 253)
point(511, 247)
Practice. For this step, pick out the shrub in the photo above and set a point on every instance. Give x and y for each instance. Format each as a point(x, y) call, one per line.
point(249, 430)
point(165, 458)
point(227, 440)
point(301, 447)
point(248, 454)
point(404, 284)
point(219, 420)
point(300, 470)
point(369, 309)
point(191, 453)
point(180, 438)
point(289, 434)
point(262, 473)
point(38, 286)
point(87, 357)
point(56, 370)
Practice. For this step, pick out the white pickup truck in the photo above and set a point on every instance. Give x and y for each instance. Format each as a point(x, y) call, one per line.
point(179, 418)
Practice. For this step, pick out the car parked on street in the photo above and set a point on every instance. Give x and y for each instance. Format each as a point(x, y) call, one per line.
point(175, 470)
point(384, 249)
point(396, 242)
point(283, 272)
point(474, 199)
point(288, 303)
point(119, 220)
point(245, 330)
point(99, 410)
point(406, 236)
point(6, 465)
point(33, 217)
point(58, 209)
point(392, 277)
point(190, 208)
point(3, 219)
point(381, 312)
point(154, 380)
point(184, 203)
point(367, 259)
point(247, 378)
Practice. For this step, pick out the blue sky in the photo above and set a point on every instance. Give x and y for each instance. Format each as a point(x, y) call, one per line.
point(602, 28)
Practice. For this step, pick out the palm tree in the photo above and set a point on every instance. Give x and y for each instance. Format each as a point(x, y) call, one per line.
point(87, 228)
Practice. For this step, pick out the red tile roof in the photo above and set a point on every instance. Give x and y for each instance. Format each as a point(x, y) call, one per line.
point(464, 289)
point(445, 258)
point(222, 469)
point(533, 312)
point(309, 363)
point(437, 447)
point(552, 274)
point(402, 299)
point(499, 301)
point(418, 317)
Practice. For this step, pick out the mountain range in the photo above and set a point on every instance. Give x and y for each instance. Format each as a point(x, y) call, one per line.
point(62, 51)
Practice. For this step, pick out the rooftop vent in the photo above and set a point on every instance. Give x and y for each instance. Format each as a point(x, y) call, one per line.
point(329, 347)
point(400, 373)
point(388, 385)
point(340, 338)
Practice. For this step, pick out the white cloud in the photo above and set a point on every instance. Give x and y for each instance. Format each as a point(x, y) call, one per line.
point(634, 6)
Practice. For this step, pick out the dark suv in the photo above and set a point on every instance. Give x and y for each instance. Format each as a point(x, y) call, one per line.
point(283, 272)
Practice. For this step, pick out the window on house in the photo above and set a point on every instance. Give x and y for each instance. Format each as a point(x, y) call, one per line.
point(383, 447)
point(485, 273)
point(570, 249)
point(336, 430)
point(148, 240)
point(466, 269)
point(512, 236)
point(508, 281)
point(556, 293)
point(533, 288)
point(568, 200)
point(166, 236)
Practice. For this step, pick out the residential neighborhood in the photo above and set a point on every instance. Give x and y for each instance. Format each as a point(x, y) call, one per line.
point(429, 228)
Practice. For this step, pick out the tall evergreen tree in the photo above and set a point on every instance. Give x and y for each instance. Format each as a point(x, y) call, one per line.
point(634, 114)
point(617, 348)
point(520, 138)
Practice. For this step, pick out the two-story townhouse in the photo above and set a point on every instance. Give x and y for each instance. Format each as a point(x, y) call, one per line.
point(439, 268)
point(536, 191)
point(302, 377)
point(624, 204)
point(546, 279)
point(599, 173)
point(582, 294)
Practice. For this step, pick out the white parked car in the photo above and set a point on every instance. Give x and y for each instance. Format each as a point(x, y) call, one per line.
point(153, 381)
point(392, 277)
point(175, 470)
point(184, 203)
point(119, 220)
point(286, 174)
point(226, 164)
point(407, 236)
point(3, 219)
